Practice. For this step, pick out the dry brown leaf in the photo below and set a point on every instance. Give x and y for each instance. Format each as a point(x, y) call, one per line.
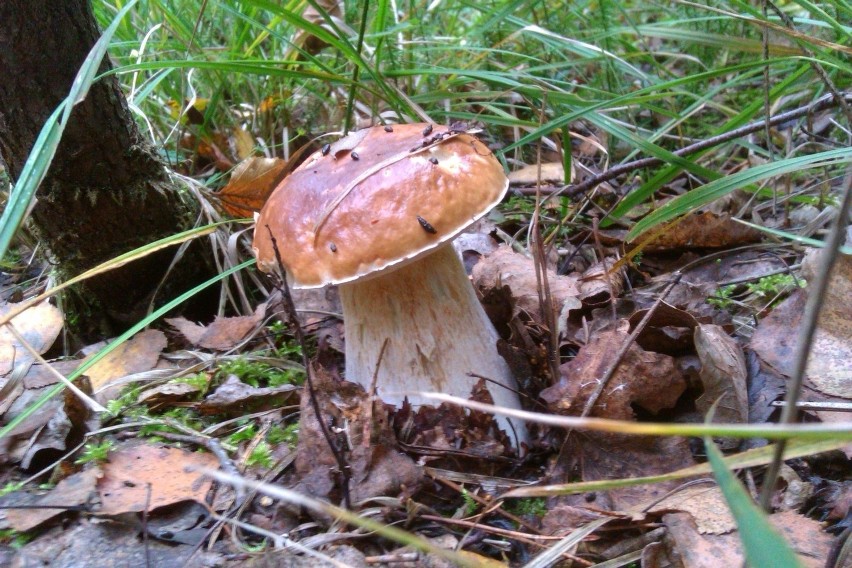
point(830, 362)
point(39, 326)
point(137, 355)
point(235, 396)
point(504, 267)
point(75, 490)
point(706, 503)
point(723, 375)
point(670, 330)
point(141, 477)
point(686, 543)
point(703, 230)
point(243, 144)
point(649, 380)
point(599, 283)
point(377, 467)
point(602, 456)
point(529, 175)
point(804, 535)
point(223, 334)
point(251, 182)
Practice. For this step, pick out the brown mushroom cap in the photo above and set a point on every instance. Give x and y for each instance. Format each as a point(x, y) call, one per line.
point(374, 200)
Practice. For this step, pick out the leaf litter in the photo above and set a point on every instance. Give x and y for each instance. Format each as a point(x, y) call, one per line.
point(375, 457)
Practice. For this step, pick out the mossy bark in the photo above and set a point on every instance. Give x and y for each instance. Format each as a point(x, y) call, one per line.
point(106, 192)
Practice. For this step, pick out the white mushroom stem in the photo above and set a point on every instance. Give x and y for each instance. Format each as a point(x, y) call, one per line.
point(436, 333)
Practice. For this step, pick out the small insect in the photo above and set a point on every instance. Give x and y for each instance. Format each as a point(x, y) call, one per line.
point(388, 128)
point(427, 131)
point(459, 127)
point(426, 225)
point(434, 160)
point(326, 149)
point(355, 156)
point(332, 247)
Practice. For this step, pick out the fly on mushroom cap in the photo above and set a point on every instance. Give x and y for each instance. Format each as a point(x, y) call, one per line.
point(369, 207)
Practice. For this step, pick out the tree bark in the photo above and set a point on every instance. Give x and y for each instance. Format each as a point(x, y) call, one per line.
point(106, 192)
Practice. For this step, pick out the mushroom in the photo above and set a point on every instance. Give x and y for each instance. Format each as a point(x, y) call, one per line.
point(380, 227)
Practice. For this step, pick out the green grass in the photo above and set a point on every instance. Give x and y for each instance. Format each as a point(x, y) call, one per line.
point(644, 79)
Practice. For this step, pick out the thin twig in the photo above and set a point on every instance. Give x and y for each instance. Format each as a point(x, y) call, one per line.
point(816, 297)
point(290, 308)
point(827, 101)
point(814, 63)
point(485, 503)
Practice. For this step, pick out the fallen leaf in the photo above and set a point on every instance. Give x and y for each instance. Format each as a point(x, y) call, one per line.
point(377, 467)
point(649, 380)
point(686, 543)
point(829, 368)
point(235, 396)
point(705, 503)
point(529, 175)
point(670, 330)
point(599, 283)
point(703, 230)
point(115, 543)
point(221, 335)
point(137, 355)
point(723, 375)
point(764, 387)
point(64, 428)
point(75, 490)
point(39, 325)
point(142, 477)
point(251, 183)
point(830, 362)
point(243, 144)
point(806, 537)
point(602, 456)
point(170, 394)
point(504, 267)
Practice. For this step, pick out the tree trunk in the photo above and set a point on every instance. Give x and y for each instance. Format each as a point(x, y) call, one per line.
point(106, 192)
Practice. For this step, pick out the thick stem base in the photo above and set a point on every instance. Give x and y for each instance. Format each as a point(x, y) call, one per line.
point(436, 333)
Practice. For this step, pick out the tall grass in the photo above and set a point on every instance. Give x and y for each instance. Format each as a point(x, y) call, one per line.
point(644, 78)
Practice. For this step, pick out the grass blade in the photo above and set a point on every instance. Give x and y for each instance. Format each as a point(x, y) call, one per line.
point(763, 545)
point(39, 160)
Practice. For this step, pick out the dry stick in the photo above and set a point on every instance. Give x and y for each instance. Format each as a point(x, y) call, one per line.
point(816, 297)
point(290, 308)
point(485, 503)
point(827, 101)
point(145, 525)
point(626, 345)
point(545, 299)
point(815, 65)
